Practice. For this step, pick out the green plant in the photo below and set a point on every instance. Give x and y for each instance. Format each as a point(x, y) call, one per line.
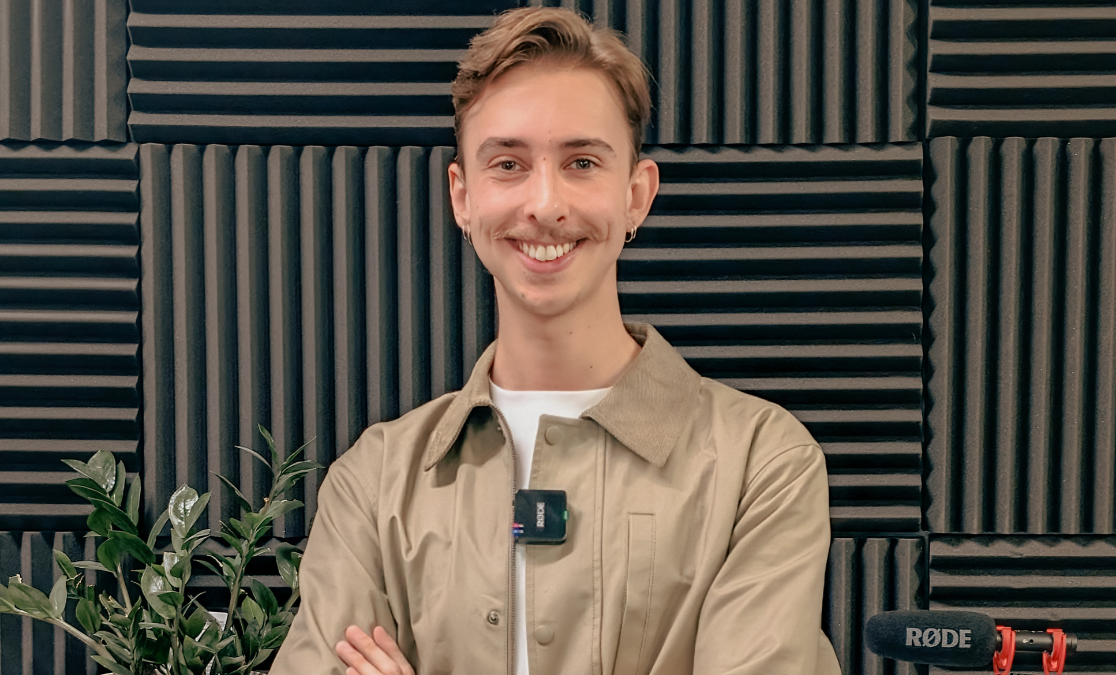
point(164, 629)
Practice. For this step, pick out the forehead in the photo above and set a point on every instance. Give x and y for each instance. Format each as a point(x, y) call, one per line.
point(542, 104)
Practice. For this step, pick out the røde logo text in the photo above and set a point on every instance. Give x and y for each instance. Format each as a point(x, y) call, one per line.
point(939, 637)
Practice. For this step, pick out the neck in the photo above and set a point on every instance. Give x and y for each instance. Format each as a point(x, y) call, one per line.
point(575, 351)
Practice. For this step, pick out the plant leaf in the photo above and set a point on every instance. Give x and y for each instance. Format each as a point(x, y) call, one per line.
point(239, 528)
point(180, 505)
point(270, 446)
point(294, 455)
point(101, 469)
point(160, 523)
point(108, 554)
point(292, 475)
point(64, 564)
point(118, 517)
point(155, 586)
point(58, 597)
point(260, 658)
point(252, 612)
point(99, 522)
point(196, 622)
point(29, 599)
point(118, 486)
point(90, 565)
point(236, 493)
point(111, 665)
point(197, 509)
point(274, 637)
point(288, 558)
point(280, 506)
point(264, 597)
point(255, 454)
point(132, 503)
point(134, 546)
point(88, 616)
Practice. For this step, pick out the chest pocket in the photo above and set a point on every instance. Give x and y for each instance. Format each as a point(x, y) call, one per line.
point(637, 594)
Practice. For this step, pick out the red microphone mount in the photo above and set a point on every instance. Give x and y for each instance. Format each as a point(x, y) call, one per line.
point(1054, 645)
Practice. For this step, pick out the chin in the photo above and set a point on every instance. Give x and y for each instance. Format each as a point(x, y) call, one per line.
point(545, 304)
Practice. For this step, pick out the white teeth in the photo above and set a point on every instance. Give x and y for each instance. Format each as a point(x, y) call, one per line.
point(546, 253)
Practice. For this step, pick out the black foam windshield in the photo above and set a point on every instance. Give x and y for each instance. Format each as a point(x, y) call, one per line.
point(935, 637)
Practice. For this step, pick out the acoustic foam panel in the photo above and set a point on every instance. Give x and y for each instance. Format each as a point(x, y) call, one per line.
point(742, 71)
point(62, 70)
point(773, 71)
point(328, 73)
point(312, 290)
point(1021, 68)
point(69, 340)
point(28, 646)
point(1022, 324)
point(1033, 583)
point(865, 577)
point(795, 274)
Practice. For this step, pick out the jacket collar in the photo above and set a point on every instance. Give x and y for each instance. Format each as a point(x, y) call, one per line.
point(645, 410)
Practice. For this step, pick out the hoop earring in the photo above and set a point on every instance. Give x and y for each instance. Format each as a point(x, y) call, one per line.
point(467, 237)
point(631, 235)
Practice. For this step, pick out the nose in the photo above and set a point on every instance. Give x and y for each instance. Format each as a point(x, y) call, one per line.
point(546, 200)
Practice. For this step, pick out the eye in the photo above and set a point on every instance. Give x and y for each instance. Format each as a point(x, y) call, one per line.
point(508, 165)
point(583, 163)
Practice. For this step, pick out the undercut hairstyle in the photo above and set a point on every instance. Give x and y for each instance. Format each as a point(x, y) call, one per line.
point(563, 38)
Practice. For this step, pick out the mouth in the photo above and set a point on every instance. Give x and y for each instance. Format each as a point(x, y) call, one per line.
point(547, 252)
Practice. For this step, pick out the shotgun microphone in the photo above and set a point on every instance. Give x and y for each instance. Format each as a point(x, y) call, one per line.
point(941, 638)
point(948, 638)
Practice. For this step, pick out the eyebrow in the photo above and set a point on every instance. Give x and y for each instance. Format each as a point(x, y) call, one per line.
point(574, 143)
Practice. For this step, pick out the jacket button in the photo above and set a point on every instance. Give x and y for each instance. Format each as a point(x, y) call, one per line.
point(493, 617)
point(543, 635)
point(553, 435)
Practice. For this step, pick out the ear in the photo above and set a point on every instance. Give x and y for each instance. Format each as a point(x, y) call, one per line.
point(642, 190)
point(459, 196)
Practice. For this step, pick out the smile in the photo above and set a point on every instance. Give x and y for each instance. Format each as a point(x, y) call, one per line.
point(546, 253)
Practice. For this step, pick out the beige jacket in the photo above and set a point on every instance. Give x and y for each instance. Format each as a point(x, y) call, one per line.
point(697, 537)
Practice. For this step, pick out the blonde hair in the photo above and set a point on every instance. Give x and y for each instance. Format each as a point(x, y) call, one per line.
point(534, 34)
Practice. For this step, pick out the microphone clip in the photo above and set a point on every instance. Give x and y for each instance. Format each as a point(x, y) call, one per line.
point(1056, 661)
point(1053, 661)
point(1002, 660)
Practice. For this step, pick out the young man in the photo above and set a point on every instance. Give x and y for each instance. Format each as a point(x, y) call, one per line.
point(698, 526)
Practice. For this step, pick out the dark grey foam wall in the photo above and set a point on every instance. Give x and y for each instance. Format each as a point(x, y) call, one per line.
point(794, 273)
point(291, 287)
point(28, 646)
point(772, 71)
point(69, 341)
point(62, 71)
point(341, 73)
point(865, 577)
point(1021, 68)
point(1022, 409)
point(1033, 584)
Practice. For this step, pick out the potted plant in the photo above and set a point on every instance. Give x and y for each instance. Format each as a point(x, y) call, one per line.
point(154, 625)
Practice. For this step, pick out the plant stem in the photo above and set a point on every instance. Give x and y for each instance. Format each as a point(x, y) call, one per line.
point(291, 601)
point(90, 642)
point(122, 580)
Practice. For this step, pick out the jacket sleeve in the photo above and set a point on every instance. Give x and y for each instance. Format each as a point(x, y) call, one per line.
point(762, 615)
point(341, 576)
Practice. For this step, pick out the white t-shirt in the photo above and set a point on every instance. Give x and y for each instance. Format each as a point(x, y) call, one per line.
point(522, 409)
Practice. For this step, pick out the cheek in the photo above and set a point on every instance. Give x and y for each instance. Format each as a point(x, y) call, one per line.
point(492, 205)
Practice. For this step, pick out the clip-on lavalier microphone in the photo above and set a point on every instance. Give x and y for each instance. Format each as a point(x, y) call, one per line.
point(540, 516)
